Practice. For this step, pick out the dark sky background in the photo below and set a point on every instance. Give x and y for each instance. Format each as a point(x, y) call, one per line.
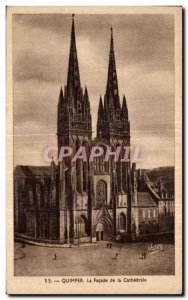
point(144, 50)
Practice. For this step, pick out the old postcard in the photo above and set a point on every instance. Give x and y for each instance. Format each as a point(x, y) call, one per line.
point(94, 150)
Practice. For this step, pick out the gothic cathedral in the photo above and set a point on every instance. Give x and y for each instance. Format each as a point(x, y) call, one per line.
point(86, 201)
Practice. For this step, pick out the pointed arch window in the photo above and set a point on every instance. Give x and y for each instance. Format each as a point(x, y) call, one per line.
point(31, 199)
point(101, 193)
point(118, 114)
point(79, 109)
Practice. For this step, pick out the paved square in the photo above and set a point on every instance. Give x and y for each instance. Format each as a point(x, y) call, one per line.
point(95, 260)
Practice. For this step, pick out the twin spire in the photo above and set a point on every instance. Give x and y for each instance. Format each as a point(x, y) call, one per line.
point(73, 106)
point(111, 111)
point(112, 84)
point(73, 78)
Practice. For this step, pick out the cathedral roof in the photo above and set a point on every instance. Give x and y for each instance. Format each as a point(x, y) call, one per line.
point(145, 200)
point(32, 171)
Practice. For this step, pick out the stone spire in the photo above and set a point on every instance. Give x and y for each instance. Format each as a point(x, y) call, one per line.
point(112, 83)
point(124, 110)
point(73, 78)
point(100, 119)
point(112, 118)
point(100, 109)
point(61, 108)
point(74, 117)
point(61, 98)
point(86, 97)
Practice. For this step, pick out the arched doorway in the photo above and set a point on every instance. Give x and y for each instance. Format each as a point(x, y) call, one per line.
point(122, 222)
point(104, 229)
point(99, 232)
point(81, 228)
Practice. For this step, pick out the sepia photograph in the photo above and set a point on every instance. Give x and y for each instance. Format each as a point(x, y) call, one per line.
point(95, 111)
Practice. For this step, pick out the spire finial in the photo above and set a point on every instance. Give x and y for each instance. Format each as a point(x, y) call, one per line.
point(111, 29)
point(61, 92)
point(73, 16)
point(86, 92)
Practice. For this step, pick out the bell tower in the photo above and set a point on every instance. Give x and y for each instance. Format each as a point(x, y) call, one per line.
point(113, 126)
point(74, 130)
point(113, 122)
point(74, 118)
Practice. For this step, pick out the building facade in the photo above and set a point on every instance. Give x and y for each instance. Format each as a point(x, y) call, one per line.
point(74, 201)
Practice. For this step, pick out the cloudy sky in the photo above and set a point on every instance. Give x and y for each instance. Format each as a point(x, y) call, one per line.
point(144, 50)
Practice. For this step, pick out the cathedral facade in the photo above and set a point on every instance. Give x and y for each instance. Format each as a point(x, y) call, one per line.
point(93, 195)
point(81, 201)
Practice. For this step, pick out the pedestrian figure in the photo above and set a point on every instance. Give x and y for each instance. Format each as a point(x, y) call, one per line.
point(107, 245)
point(55, 257)
point(70, 245)
point(114, 259)
point(110, 245)
point(144, 255)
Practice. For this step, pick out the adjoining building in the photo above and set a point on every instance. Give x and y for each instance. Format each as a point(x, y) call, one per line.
point(72, 202)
